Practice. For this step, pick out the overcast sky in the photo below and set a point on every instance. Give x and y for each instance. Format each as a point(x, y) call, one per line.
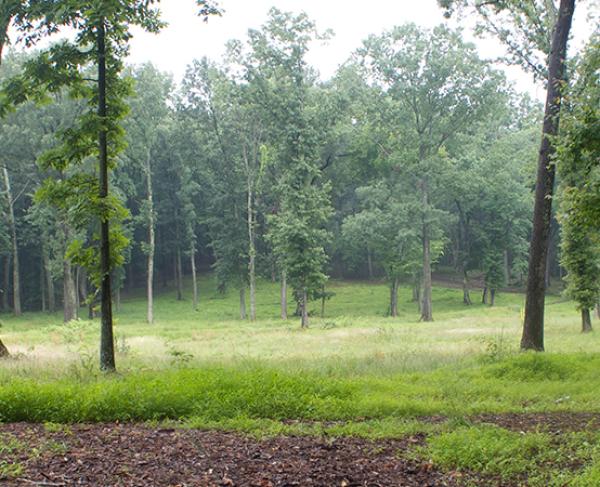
point(187, 37)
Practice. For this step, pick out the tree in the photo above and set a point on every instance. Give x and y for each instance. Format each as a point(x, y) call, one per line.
point(578, 155)
point(534, 35)
point(439, 88)
point(297, 230)
point(148, 117)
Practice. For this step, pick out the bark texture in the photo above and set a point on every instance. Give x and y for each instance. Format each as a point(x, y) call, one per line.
point(533, 326)
point(586, 321)
point(15, 246)
point(107, 345)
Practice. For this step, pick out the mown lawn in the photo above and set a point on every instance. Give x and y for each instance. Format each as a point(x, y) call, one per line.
point(354, 372)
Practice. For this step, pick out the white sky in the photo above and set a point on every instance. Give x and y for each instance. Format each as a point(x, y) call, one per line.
point(187, 37)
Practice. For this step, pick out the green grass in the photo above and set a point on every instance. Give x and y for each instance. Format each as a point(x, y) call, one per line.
point(355, 372)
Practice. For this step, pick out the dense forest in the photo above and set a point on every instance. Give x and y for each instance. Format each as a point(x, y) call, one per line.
point(416, 156)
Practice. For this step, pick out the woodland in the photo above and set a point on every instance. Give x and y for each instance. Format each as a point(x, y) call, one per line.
point(298, 281)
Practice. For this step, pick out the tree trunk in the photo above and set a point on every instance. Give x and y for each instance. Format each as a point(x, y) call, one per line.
point(394, 298)
point(77, 279)
point(43, 287)
point(323, 299)
point(506, 269)
point(533, 325)
point(251, 248)
point(466, 294)
point(83, 285)
point(3, 350)
point(484, 295)
point(151, 244)
point(492, 296)
point(194, 278)
point(598, 310)
point(426, 306)
point(369, 263)
point(586, 321)
point(284, 305)
point(6, 284)
point(69, 289)
point(15, 246)
point(107, 344)
point(49, 281)
point(242, 302)
point(179, 272)
point(304, 306)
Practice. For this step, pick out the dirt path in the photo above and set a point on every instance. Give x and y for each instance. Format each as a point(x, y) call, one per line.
point(137, 455)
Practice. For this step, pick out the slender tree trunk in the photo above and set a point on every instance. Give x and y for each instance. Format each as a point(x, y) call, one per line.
point(284, 305)
point(69, 292)
point(49, 281)
point(586, 321)
point(251, 254)
point(179, 272)
point(323, 299)
point(484, 295)
point(598, 310)
point(107, 344)
point(304, 309)
point(394, 298)
point(426, 306)
point(151, 243)
point(466, 294)
point(369, 263)
point(83, 284)
point(533, 326)
point(118, 299)
point(43, 286)
point(194, 278)
point(6, 284)
point(77, 296)
point(15, 246)
point(506, 269)
point(492, 296)
point(243, 302)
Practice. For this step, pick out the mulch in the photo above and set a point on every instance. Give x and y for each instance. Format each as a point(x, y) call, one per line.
point(139, 455)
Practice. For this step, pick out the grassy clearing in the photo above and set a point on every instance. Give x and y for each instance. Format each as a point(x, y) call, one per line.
point(355, 372)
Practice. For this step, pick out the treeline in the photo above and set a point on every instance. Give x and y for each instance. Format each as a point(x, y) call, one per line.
point(416, 154)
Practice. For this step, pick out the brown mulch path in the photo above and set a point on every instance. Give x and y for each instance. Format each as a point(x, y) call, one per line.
point(138, 455)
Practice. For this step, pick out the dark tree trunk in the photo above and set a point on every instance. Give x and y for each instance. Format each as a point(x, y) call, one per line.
point(43, 287)
point(506, 269)
point(394, 298)
point(194, 278)
point(3, 350)
point(598, 310)
point(6, 284)
point(107, 344)
point(49, 281)
point(69, 288)
point(323, 298)
point(586, 321)
point(492, 296)
point(284, 304)
point(304, 309)
point(243, 314)
point(533, 326)
point(426, 306)
point(466, 294)
point(484, 295)
point(179, 273)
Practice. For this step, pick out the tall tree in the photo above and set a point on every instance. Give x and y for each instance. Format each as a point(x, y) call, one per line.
point(536, 35)
point(579, 167)
point(440, 88)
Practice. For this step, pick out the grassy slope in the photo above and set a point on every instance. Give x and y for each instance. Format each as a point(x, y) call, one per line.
point(375, 374)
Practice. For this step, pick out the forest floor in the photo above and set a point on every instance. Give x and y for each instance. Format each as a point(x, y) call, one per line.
point(142, 455)
point(204, 398)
